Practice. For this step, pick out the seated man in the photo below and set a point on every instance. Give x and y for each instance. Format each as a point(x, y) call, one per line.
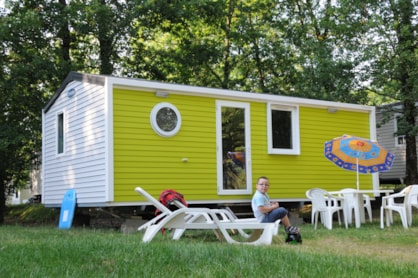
point(266, 211)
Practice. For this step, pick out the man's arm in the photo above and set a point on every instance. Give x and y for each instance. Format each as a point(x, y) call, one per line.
point(267, 209)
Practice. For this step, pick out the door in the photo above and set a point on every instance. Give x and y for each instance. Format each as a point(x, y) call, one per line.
point(233, 148)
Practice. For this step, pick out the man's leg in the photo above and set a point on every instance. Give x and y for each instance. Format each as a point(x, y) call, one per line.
point(285, 221)
point(287, 226)
point(276, 214)
point(282, 214)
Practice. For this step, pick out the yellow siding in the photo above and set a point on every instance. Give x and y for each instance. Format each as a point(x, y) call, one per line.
point(290, 176)
point(141, 157)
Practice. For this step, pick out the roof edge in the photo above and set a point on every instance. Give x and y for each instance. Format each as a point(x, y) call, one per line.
point(75, 76)
point(114, 81)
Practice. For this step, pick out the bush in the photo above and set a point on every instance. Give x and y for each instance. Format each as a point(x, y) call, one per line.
point(31, 214)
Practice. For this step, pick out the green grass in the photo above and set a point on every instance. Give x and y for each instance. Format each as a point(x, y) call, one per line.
point(45, 251)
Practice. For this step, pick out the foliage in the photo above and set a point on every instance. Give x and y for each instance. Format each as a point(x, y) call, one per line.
point(347, 51)
point(260, 46)
point(31, 214)
point(394, 66)
point(29, 71)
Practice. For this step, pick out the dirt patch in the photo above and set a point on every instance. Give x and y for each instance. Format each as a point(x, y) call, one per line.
point(395, 254)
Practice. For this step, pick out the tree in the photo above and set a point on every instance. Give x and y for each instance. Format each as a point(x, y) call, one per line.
point(350, 51)
point(100, 30)
point(289, 48)
point(41, 42)
point(392, 48)
point(28, 71)
point(406, 74)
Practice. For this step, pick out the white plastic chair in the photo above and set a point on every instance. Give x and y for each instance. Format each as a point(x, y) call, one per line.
point(314, 210)
point(413, 199)
point(326, 205)
point(389, 204)
point(350, 204)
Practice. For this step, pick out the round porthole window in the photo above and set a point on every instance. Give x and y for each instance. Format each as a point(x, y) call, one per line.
point(165, 119)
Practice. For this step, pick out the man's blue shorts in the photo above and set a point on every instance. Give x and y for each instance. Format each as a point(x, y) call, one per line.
point(277, 213)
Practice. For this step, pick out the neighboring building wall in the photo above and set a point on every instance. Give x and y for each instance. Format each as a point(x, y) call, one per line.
point(35, 177)
point(387, 139)
point(21, 196)
point(34, 187)
point(83, 162)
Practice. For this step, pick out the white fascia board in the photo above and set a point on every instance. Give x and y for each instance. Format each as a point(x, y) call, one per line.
point(153, 86)
point(43, 155)
point(109, 179)
point(372, 123)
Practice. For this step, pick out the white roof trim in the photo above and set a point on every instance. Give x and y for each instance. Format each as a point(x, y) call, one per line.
point(153, 86)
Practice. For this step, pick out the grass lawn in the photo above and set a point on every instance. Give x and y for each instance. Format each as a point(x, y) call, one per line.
point(45, 251)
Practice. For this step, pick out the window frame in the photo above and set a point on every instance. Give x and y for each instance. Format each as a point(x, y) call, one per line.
point(219, 147)
point(294, 110)
point(398, 137)
point(60, 133)
point(153, 119)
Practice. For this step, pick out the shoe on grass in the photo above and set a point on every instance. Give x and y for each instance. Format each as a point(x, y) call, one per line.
point(292, 230)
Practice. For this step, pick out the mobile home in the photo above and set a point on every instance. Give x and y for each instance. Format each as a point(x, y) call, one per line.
point(396, 143)
point(105, 135)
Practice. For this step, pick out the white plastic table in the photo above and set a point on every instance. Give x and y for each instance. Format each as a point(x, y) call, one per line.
point(358, 206)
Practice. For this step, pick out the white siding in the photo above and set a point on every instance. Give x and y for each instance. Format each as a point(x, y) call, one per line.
point(386, 138)
point(82, 165)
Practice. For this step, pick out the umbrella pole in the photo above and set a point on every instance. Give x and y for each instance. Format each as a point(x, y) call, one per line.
point(358, 183)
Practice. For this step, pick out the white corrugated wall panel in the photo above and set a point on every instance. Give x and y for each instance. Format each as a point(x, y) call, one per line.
point(82, 166)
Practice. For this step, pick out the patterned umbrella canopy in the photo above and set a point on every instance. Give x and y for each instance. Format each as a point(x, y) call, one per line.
point(358, 154)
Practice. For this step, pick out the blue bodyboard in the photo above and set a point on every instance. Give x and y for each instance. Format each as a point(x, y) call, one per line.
point(67, 209)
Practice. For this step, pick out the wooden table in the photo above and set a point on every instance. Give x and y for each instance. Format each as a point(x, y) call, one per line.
point(359, 202)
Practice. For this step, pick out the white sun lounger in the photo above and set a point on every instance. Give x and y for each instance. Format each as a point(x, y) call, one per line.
point(203, 219)
point(228, 215)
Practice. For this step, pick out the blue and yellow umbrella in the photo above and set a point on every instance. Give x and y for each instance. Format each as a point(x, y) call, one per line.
point(358, 154)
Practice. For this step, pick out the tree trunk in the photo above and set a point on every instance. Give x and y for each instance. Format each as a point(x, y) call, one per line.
point(406, 49)
point(2, 200)
point(65, 36)
point(104, 22)
point(410, 111)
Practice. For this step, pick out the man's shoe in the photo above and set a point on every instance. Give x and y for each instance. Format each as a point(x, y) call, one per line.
point(292, 230)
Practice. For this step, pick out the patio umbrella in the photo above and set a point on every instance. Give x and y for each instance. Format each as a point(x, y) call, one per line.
point(358, 154)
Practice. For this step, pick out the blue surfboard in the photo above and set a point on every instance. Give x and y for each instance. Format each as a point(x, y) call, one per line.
point(67, 209)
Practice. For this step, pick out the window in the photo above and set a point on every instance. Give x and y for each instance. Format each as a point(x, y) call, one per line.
point(165, 119)
point(60, 133)
point(283, 129)
point(399, 135)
